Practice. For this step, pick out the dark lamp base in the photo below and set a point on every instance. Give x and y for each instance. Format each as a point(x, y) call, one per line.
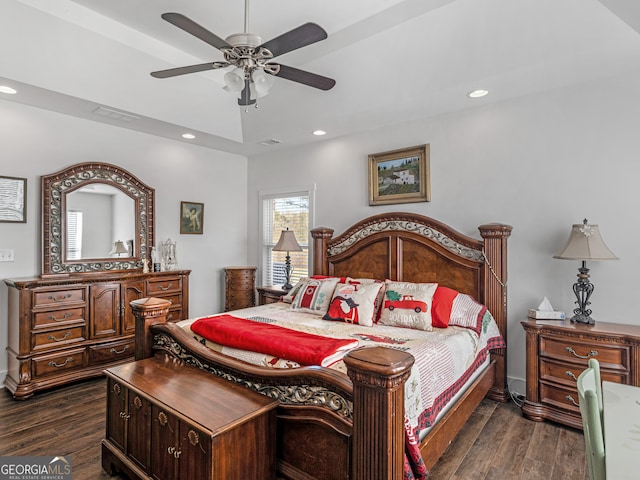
point(583, 319)
point(287, 286)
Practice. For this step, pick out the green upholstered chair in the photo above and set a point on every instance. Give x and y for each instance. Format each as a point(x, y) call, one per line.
point(590, 400)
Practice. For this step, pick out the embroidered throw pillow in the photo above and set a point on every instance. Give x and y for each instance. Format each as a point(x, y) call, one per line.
point(354, 303)
point(288, 298)
point(379, 297)
point(408, 305)
point(314, 296)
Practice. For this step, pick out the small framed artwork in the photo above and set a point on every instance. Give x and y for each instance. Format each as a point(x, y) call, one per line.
point(191, 217)
point(13, 199)
point(400, 176)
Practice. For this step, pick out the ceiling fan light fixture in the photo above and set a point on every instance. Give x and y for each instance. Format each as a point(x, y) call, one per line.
point(234, 80)
point(262, 81)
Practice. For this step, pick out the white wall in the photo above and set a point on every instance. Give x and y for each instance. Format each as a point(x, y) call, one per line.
point(539, 163)
point(36, 142)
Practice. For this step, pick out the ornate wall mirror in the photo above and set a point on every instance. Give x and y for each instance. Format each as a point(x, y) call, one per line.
point(96, 217)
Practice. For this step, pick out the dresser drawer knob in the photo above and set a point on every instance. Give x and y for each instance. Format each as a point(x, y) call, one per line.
point(570, 374)
point(59, 299)
point(66, 335)
point(52, 363)
point(592, 353)
point(569, 398)
point(64, 317)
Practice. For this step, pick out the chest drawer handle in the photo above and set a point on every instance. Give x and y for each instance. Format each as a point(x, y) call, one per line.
point(592, 353)
point(53, 317)
point(570, 374)
point(164, 289)
point(118, 352)
point(60, 365)
point(66, 335)
point(60, 299)
point(569, 398)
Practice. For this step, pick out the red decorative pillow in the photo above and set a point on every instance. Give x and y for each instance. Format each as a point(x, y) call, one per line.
point(442, 305)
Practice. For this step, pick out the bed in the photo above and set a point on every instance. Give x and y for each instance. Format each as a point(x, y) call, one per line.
point(337, 425)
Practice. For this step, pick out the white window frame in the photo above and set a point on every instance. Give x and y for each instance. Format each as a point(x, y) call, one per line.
point(268, 194)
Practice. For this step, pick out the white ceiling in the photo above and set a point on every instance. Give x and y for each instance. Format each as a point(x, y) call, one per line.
point(393, 60)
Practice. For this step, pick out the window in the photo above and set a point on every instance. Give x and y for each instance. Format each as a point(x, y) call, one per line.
point(280, 211)
point(74, 235)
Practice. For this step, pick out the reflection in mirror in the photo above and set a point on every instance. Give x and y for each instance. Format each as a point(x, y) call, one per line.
point(100, 223)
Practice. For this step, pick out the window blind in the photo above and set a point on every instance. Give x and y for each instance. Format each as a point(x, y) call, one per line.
point(74, 235)
point(279, 212)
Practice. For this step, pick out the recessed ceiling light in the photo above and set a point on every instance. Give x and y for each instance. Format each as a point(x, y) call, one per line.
point(9, 90)
point(319, 132)
point(477, 93)
point(188, 136)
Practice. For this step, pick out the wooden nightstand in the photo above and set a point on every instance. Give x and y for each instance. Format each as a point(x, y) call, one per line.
point(558, 351)
point(270, 294)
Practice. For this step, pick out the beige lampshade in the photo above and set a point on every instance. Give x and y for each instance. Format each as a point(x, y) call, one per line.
point(287, 242)
point(118, 248)
point(585, 243)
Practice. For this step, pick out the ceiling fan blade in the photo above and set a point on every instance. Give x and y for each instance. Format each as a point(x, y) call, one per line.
point(245, 95)
point(297, 38)
point(172, 72)
point(306, 78)
point(194, 29)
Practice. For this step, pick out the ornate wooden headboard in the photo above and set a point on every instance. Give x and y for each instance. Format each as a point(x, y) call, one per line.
point(414, 248)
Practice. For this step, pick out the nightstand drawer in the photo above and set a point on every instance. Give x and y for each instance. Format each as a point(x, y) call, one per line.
point(560, 397)
point(567, 373)
point(579, 353)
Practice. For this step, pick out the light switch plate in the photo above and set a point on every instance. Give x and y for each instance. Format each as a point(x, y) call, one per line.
point(6, 256)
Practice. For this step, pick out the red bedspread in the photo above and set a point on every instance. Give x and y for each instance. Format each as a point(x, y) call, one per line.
point(303, 348)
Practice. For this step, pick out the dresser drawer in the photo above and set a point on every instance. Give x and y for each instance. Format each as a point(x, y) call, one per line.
point(48, 298)
point(59, 317)
point(71, 359)
point(111, 352)
point(175, 315)
point(240, 281)
point(577, 352)
point(156, 287)
point(58, 338)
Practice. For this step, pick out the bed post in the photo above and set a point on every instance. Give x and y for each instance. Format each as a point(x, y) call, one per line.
point(378, 375)
point(147, 312)
point(321, 236)
point(495, 294)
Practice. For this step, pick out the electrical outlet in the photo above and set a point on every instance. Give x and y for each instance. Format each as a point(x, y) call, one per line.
point(6, 256)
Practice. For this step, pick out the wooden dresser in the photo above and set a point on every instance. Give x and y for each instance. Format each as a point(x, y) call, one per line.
point(558, 351)
point(240, 287)
point(67, 328)
point(168, 420)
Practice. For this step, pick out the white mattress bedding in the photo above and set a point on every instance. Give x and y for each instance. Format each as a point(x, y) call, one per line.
point(446, 358)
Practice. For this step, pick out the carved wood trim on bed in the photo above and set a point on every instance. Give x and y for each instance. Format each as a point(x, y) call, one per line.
point(333, 426)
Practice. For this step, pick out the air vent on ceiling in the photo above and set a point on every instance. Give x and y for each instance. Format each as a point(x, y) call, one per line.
point(271, 141)
point(115, 114)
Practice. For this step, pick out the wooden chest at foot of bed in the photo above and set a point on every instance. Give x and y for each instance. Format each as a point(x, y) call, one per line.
point(167, 420)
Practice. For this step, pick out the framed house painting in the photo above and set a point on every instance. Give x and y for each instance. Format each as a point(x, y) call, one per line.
point(191, 217)
point(400, 176)
point(13, 199)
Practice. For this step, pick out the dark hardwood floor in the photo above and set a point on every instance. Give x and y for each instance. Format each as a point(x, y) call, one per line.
point(496, 444)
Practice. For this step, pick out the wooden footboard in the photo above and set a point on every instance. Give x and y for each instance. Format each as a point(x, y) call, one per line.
point(330, 426)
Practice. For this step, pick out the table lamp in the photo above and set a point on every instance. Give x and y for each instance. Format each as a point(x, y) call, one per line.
point(287, 243)
point(118, 248)
point(585, 243)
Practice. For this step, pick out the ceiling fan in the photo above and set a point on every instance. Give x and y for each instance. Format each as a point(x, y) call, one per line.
point(254, 70)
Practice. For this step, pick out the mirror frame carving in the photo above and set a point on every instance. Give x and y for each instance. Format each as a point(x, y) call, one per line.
point(54, 187)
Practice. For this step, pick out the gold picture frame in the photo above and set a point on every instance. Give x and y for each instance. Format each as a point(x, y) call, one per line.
point(191, 218)
point(400, 176)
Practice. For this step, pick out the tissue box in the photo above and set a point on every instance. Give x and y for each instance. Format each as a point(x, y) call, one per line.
point(546, 314)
